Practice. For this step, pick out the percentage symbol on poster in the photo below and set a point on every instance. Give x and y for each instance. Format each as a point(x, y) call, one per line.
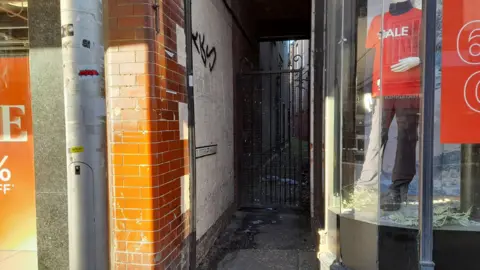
point(5, 176)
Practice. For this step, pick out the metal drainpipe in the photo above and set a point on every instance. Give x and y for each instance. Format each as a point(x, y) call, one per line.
point(425, 211)
point(191, 135)
point(85, 115)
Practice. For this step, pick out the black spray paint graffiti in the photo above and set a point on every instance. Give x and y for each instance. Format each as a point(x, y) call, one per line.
point(209, 55)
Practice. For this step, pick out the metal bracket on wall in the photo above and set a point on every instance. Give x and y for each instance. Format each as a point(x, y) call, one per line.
point(207, 150)
point(156, 7)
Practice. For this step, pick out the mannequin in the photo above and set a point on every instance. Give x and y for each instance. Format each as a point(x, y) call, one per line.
point(396, 84)
point(396, 7)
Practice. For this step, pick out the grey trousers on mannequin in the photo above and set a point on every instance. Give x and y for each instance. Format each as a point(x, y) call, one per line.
point(406, 111)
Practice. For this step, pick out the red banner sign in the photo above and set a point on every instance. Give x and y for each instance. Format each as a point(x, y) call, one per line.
point(460, 100)
point(17, 179)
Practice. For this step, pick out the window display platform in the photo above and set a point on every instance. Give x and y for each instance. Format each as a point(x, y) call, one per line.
point(447, 211)
point(361, 243)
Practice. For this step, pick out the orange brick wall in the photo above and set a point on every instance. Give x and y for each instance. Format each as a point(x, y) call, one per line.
point(146, 156)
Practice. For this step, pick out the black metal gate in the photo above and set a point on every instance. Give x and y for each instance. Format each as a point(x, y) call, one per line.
point(274, 167)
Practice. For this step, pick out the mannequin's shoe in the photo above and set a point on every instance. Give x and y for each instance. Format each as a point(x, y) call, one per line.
point(393, 199)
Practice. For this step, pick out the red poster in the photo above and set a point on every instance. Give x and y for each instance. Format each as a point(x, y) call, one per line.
point(17, 179)
point(460, 100)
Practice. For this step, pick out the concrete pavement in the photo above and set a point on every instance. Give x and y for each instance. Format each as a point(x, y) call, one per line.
point(260, 239)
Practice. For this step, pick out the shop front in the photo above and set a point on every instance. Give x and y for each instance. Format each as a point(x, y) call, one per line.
point(379, 171)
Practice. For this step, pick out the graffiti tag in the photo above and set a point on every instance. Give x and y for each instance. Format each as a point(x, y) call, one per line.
point(208, 54)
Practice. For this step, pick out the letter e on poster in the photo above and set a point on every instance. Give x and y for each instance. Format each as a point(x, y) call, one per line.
point(460, 99)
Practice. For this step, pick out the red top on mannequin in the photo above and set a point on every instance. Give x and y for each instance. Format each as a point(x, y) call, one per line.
point(401, 75)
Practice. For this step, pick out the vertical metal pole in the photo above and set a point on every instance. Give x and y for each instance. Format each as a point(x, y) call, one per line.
point(298, 177)
point(191, 136)
point(311, 112)
point(318, 115)
point(281, 143)
point(262, 170)
point(427, 126)
point(253, 150)
point(270, 131)
point(85, 115)
point(291, 113)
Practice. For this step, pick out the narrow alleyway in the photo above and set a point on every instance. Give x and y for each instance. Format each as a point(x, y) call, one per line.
point(260, 239)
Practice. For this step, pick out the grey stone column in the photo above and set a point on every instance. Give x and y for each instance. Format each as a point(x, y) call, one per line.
point(49, 133)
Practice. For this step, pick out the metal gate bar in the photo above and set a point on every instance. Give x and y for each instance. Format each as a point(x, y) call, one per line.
point(274, 166)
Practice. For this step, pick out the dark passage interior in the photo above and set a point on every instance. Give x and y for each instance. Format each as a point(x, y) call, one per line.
point(274, 168)
point(271, 44)
point(271, 52)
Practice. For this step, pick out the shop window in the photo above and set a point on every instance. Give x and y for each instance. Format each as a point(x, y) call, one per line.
point(373, 136)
